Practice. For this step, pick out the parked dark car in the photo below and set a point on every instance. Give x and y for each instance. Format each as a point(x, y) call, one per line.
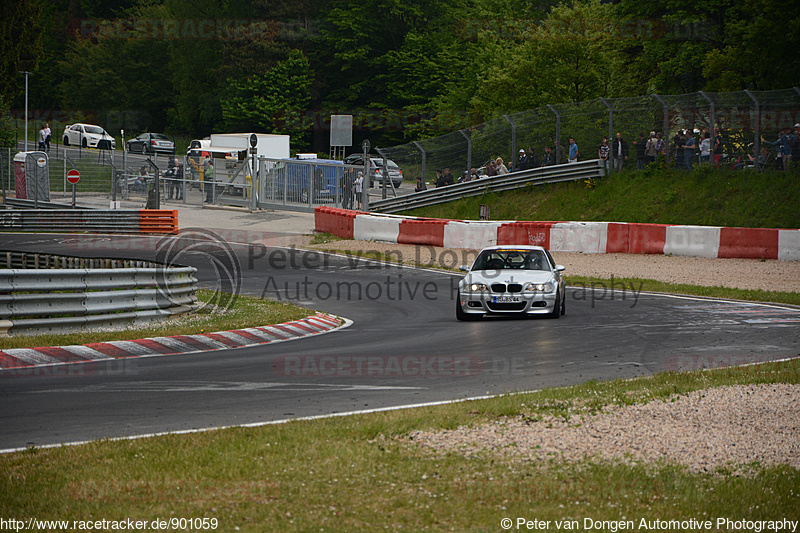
point(150, 143)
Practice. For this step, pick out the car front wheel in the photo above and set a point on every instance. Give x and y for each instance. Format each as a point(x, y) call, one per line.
point(66, 140)
point(556, 313)
point(461, 315)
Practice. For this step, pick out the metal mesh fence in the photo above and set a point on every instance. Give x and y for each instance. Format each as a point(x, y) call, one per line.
point(744, 120)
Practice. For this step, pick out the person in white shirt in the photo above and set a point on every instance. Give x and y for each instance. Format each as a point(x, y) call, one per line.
point(358, 187)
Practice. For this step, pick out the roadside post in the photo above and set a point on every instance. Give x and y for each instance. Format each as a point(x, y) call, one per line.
point(365, 182)
point(73, 176)
point(253, 175)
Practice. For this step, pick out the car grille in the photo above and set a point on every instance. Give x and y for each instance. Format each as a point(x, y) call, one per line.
point(502, 287)
point(519, 306)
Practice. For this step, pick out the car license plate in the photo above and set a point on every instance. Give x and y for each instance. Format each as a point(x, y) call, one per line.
point(506, 299)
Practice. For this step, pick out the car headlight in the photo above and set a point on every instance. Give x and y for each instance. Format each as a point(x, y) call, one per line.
point(477, 287)
point(540, 287)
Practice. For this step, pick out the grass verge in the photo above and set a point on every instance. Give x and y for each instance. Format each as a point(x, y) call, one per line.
point(356, 474)
point(658, 195)
point(247, 311)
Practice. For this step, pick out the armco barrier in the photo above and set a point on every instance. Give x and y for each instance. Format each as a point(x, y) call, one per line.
point(593, 168)
point(37, 298)
point(584, 237)
point(161, 221)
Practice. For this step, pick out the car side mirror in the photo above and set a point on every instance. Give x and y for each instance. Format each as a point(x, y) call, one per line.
point(464, 268)
point(560, 268)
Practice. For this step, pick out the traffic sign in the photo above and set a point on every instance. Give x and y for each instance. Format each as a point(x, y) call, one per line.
point(73, 176)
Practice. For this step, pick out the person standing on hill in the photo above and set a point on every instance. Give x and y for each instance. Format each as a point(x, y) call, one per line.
point(603, 153)
point(717, 144)
point(641, 147)
point(619, 152)
point(689, 150)
point(501, 168)
point(705, 148)
point(651, 149)
point(573, 151)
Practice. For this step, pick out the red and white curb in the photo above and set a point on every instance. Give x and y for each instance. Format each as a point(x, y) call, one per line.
point(173, 345)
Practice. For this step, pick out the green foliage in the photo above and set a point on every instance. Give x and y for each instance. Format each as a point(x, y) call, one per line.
point(272, 102)
point(7, 137)
point(21, 48)
point(423, 67)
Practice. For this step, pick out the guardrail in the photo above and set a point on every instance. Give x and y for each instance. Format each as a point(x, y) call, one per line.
point(538, 176)
point(32, 204)
point(161, 221)
point(54, 300)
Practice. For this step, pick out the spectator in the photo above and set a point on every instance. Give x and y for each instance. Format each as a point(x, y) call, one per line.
point(651, 148)
point(448, 177)
point(603, 154)
point(358, 188)
point(761, 162)
point(573, 151)
point(689, 149)
point(717, 148)
point(42, 137)
point(491, 169)
point(208, 178)
point(533, 161)
point(522, 161)
point(473, 174)
point(501, 168)
point(439, 179)
point(420, 185)
point(346, 185)
point(796, 146)
point(619, 152)
point(679, 143)
point(661, 145)
point(784, 144)
point(548, 157)
point(47, 134)
point(705, 148)
point(641, 147)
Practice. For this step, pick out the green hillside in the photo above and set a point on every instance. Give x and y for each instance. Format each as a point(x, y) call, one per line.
point(705, 196)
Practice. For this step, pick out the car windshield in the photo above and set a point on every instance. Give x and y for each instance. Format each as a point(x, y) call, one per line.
point(94, 129)
point(514, 259)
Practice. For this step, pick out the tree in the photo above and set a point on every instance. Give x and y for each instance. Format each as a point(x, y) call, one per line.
point(273, 102)
point(570, 56)
point(759, 41)
point(21, 49)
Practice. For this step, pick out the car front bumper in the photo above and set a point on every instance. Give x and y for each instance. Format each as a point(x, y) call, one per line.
point(529, 303)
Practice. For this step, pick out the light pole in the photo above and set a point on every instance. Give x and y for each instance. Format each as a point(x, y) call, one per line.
point(26, 106)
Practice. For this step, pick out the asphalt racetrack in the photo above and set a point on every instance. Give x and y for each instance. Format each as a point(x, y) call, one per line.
point(404, 347)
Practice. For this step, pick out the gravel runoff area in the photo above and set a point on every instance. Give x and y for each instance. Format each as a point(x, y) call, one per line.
point(704, 430)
